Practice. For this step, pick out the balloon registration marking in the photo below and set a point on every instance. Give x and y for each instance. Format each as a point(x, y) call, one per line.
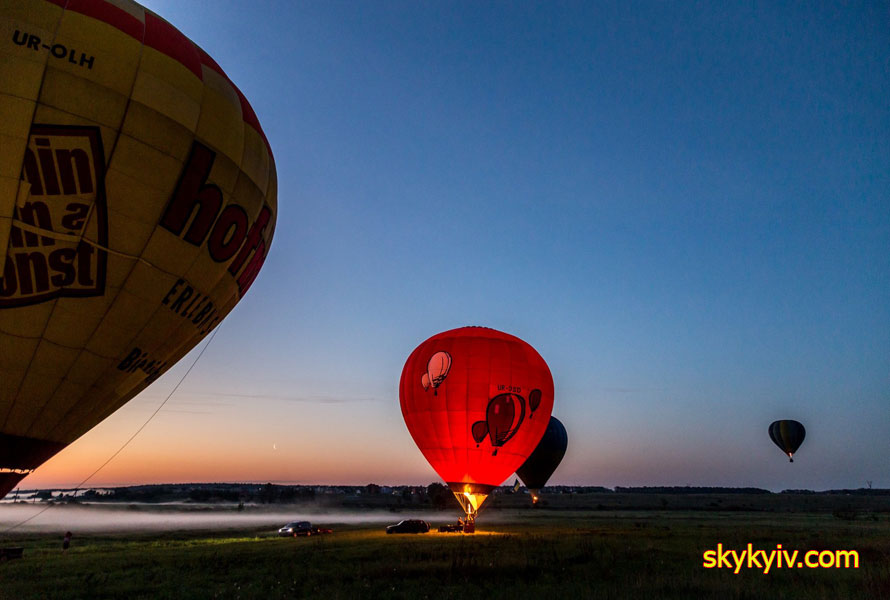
point(57, 51)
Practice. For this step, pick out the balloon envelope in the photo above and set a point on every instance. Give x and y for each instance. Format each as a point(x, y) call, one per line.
point(541, 463)
point(477, 428)
point(788, 435)
point(137, 204)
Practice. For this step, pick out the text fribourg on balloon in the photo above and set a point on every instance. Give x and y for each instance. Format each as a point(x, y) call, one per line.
point(188, 303)
point(64, 196)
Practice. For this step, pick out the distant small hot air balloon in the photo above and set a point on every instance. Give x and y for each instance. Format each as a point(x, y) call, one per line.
point(138, 200)
point(541, 464)
point(437, 370)
point(475, 432)
point(787, 435)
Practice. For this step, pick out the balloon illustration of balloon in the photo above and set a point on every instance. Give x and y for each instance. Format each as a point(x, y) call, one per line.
point(541, 463)
point(137, 204)
point(534, 401)
point(476, 431)
point(503, 417)
point(437, 370)
point(788, 436)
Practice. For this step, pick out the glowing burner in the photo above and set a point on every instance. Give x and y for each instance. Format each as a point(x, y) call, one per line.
point(470, 502)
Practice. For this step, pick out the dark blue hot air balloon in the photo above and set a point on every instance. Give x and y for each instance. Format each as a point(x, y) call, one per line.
point(542, 462)
point(787, 435)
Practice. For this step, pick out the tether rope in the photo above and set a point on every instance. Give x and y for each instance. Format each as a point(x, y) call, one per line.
point(132, 437)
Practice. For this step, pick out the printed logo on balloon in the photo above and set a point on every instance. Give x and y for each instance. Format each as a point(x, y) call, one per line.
point(60, 205)
point(503, 417)
point(436, 371)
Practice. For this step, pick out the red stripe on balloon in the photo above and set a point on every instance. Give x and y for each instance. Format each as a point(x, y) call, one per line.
point(166, 39)
point(109, 13)
point(208, 61)
point(250, 117)
point(247, 112)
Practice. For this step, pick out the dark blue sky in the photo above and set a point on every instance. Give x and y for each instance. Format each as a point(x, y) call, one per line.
point(685, 209)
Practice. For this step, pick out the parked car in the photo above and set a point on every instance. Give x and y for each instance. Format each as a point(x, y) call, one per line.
point(409, 526)
point(296, 528)
point(451, 528)
point(302, 528)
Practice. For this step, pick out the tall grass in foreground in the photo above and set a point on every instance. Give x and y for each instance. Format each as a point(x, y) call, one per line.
point(627, 555)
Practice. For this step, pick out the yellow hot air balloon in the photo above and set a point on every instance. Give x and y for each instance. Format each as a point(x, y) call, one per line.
point(137, 204)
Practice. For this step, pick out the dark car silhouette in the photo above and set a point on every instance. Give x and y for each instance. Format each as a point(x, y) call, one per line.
point(301, 528)
point(409, 526)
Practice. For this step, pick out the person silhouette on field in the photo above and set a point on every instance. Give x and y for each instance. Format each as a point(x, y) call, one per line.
point(66, 541)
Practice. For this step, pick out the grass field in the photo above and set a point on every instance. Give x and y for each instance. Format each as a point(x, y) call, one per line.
point(528, 554)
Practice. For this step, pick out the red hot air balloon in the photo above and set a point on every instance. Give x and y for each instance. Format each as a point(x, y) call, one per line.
point(487, 413)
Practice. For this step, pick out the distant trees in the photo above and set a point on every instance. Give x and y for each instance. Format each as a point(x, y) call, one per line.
point(267, 494)
point(688, 490)
point(844, 492)
point(213, 495)
point(439, 495)
point(271, 494)
point(199, 495)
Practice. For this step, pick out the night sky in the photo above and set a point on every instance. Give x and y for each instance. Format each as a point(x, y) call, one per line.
point(684, 209)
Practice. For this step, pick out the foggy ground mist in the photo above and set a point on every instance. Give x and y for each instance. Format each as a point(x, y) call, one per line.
point(135, 518)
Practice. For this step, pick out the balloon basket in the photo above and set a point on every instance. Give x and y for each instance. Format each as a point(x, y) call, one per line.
point(470, 525)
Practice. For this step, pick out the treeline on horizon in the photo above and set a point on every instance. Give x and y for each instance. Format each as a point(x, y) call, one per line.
point(270, 493)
